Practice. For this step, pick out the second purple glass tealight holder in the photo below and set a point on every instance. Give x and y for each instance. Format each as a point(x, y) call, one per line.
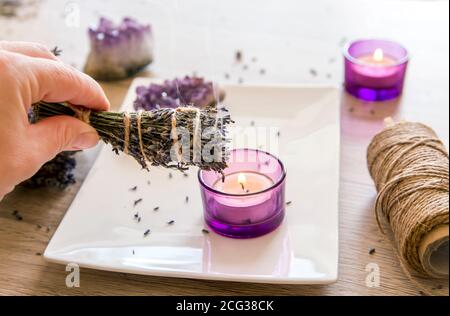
point(245, 214)
point(375, 69)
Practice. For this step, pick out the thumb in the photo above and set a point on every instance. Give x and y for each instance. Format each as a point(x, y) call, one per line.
point(61, 133)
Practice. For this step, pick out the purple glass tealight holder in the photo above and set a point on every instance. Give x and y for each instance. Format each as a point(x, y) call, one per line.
point(375, 69)
point(245, 209)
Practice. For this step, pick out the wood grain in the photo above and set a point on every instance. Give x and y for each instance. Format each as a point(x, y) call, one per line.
point(294, 38)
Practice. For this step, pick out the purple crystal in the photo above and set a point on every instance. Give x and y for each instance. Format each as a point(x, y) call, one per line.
point(119, 51)
point(179, 91)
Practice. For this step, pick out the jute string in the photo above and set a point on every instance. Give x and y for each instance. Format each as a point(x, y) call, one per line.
point(141, 145)
point(410, 166)
point(126, 127)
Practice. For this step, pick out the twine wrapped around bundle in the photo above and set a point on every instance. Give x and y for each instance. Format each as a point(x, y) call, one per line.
point(171, 138)
point(410, 166)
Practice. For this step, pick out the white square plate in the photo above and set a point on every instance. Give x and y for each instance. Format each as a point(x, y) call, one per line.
point(99, 231)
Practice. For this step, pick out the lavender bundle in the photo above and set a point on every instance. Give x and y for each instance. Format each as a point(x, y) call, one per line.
point(171, 138)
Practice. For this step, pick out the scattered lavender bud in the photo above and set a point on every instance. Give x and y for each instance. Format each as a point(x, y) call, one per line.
point(252, 123)
point(171, 222)
point(227, 76)
point(288, 202)
point(372, 112)
point(238, 56)
point(240, 80)
point(17, 215)
point(262, 71)
point(38, 254)
point(170, 175)
point(133, 252)
point(313, 72)
point(118, 51)
point(186, 199)
point(245, 67)
point(156, 208)
point(56, 51)
point(351, 110)
point(133, 188)
point(205, 231)
point(254, 59)
point(371, 251)
point(147, 232)
point(136, 202)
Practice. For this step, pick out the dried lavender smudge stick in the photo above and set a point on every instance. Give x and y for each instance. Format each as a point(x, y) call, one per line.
point(150, 133)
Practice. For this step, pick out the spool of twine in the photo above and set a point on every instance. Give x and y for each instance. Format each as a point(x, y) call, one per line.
point(410, 166)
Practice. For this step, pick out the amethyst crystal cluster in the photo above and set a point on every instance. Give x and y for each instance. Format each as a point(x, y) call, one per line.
point(177, 92)
point(119, 51)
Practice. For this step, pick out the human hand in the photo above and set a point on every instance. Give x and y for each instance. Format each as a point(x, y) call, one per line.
point(30, 73)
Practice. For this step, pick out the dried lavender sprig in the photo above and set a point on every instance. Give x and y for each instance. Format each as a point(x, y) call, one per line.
point(155, 142)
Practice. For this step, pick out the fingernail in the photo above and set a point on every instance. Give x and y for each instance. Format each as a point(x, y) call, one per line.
point(85, 140)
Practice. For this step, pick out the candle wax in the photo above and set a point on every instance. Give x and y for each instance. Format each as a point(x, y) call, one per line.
point(371, 60)
point(377, 72)
point(234, 184)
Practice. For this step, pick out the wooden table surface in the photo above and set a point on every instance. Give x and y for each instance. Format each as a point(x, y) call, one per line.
point(295, 42)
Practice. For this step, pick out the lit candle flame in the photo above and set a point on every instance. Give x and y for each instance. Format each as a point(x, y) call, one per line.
point(378, 55)
point(242, 180)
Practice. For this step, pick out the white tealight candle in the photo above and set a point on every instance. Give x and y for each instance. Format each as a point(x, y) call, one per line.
point(378, 58)
point(243, 183)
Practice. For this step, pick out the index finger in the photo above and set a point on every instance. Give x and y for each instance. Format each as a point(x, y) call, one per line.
point(28, 48)
point(58, 82)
